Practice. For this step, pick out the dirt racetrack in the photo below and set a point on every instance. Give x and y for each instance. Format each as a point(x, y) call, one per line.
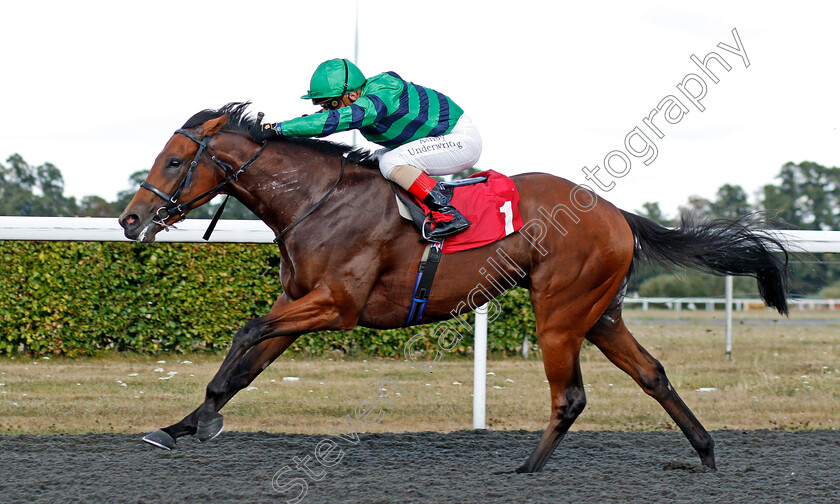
point(426, 467)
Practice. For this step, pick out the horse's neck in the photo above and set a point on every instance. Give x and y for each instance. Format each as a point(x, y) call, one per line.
point(289, 180)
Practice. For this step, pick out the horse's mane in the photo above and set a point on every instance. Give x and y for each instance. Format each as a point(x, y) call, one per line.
point(241, 121)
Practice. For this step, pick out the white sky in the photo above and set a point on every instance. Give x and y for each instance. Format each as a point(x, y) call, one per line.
point(97, 88)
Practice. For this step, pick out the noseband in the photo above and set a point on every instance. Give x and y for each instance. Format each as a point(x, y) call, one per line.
point(172, 206)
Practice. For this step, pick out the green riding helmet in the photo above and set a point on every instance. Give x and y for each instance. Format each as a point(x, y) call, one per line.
point(333, 78)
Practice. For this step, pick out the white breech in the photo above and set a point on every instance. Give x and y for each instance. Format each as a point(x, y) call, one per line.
point(442, 155)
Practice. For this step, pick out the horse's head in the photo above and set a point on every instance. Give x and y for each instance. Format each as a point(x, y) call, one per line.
point(185, 175)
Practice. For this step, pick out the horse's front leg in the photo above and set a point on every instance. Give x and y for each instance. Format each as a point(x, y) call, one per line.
point(254, 347)
point(205, 421)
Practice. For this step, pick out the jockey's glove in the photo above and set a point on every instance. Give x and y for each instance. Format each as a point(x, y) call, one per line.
point(265, 132)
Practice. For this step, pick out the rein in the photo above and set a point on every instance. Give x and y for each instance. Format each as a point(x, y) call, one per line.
point(172, 207)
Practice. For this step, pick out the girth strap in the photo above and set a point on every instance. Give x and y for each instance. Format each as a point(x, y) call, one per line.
point(423, 284)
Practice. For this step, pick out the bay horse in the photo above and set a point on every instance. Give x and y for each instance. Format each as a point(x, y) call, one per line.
point(348, 258)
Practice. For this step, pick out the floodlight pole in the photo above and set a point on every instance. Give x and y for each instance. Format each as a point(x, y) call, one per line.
point(356, 52)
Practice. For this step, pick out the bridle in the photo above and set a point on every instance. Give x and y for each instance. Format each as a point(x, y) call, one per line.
point(173, 207)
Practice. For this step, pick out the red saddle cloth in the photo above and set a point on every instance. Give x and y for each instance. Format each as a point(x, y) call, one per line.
point(491, 206)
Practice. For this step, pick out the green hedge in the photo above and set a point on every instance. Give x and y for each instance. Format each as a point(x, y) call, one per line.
point(78, 299)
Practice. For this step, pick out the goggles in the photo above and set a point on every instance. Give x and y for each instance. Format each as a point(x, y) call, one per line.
point(328, 103)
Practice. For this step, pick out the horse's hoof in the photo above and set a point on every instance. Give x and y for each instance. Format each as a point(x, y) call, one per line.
point(710, 464)
point(160, 439)
point(209, 429)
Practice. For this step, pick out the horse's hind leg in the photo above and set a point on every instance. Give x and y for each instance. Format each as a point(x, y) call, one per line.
point(613, 338)
point(561, 358)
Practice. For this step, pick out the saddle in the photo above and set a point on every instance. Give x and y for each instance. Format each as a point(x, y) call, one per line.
point(410, 209)
point(488, 199)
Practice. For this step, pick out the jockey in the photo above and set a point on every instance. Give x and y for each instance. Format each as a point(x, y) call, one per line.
point(423, 132)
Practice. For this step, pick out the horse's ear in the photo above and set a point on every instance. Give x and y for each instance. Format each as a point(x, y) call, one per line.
point(213, 125)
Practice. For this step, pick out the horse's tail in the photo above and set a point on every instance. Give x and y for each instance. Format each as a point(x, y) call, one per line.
point(719, 247)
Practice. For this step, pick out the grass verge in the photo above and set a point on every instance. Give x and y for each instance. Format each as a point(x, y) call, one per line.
point(784, 374)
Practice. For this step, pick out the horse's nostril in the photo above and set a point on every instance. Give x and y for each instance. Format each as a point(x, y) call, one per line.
point(130, 219)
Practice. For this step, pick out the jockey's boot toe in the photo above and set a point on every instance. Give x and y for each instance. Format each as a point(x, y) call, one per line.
point(456, 225)
point(439, 201)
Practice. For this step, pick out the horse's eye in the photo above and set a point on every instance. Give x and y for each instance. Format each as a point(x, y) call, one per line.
point(174, 163)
